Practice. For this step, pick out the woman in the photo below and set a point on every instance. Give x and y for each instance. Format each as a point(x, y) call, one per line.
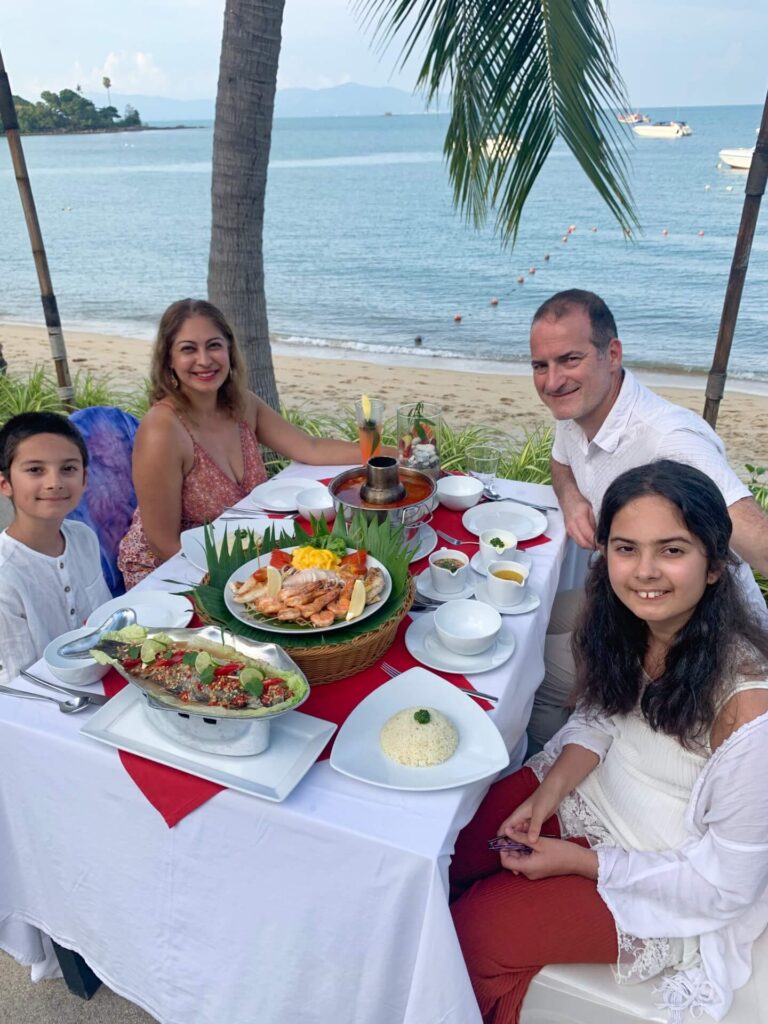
point(196, 450)
point(643, 824)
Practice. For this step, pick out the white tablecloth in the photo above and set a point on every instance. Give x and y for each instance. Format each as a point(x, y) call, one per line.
point(330, 906)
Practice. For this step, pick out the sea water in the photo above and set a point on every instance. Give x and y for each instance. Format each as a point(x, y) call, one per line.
point(364, 250)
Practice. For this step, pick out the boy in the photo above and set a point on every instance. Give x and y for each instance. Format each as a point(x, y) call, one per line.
point(50, 569)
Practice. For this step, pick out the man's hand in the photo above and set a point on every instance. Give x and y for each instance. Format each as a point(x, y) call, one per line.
point(549, 857)
point(577, 511)
point(580, 522)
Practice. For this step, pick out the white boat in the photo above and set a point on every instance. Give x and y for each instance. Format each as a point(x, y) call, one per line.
point(500, 145)
point(739, 158)
point(662, 130)
point(635, 118)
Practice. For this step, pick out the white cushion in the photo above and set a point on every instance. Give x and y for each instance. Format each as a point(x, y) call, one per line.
point(588, 994)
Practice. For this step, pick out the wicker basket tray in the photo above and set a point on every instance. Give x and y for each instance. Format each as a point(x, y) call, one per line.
point(327, 663)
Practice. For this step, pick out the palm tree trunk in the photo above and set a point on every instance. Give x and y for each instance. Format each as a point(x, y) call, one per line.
point(50, 307)
point(754, 190)
point(245, 101)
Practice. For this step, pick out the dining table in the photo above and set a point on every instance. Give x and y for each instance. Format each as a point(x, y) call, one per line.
point(330, 905)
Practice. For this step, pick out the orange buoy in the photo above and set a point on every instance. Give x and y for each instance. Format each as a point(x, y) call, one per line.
point(701, 234)
point(494, 301)
point(457, 318)
point(571, 228)
point(521, 279)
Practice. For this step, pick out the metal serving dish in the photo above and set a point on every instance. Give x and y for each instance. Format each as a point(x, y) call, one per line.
point(227, 731)
point(410, 514)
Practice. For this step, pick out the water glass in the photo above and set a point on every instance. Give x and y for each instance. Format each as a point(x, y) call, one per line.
point(369, 413)
point(483, 462)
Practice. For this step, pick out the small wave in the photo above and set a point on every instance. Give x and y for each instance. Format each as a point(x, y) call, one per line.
point(369, 160)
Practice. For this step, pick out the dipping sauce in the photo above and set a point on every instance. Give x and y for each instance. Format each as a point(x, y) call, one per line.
point(451, 564)
point(508, 574)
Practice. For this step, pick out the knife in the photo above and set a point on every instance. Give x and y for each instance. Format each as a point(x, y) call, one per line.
point(92, 698)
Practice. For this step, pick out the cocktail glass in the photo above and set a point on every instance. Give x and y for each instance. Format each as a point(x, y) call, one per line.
point(419, 427)
point(482, 461)
point(369, 413)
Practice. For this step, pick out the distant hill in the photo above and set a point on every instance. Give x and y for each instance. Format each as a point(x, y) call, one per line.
point(339, 101)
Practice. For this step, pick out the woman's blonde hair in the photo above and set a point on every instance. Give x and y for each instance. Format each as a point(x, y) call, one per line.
point(163, 383)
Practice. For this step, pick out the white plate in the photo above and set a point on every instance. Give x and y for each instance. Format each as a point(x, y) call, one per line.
point(427, 542)
point(296, 740)
point(481, 751)
point(279, 494)
point(425, 588)
point(422, 641)
point(522, 557)
point(529, 603)
point(153, 608)
point(238, 610)
point(521, 520)
point(193, 541)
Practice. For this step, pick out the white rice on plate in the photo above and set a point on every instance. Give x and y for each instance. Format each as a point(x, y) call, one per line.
point(419, 737)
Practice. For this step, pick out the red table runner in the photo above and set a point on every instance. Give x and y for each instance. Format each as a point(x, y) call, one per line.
point(175, 793)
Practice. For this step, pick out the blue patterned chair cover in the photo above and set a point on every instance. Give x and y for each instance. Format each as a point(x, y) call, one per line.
point(109, 500)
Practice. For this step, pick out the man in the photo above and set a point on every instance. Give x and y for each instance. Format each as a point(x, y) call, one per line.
point(607, 422)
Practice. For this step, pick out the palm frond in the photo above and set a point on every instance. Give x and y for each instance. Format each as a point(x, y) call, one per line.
point(523, 72)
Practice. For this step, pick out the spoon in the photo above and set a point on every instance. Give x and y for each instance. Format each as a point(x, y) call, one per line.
point(77, 648)
point(67, 707)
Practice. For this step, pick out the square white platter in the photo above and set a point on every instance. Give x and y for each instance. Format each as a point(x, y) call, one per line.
point(296, 740)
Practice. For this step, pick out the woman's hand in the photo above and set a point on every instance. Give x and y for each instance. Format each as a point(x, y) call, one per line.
point(549, 857)
point(528, 818)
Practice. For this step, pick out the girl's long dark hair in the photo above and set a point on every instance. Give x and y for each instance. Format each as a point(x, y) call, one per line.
point(610, 641)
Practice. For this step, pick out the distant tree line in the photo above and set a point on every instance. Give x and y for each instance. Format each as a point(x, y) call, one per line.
point(69, 111)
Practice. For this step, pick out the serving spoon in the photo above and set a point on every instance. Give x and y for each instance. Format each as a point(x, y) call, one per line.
point(67, 707)
point(117, 620)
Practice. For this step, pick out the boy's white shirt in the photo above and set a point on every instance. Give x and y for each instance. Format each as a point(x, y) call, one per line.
point(42, 597)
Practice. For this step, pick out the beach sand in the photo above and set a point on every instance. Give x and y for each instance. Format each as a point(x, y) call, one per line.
point(506, 401)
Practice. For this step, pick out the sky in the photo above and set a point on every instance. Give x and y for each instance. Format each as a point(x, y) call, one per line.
point(702, 52)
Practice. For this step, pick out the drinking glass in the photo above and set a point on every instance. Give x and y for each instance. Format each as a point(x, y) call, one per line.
point(369, 413)
point(418, 437)
point(483, 463)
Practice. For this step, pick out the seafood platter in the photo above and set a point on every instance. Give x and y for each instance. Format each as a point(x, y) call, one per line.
point(307, 589)
point(206, 688)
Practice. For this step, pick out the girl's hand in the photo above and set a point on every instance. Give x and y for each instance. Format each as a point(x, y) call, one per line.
point(549, 857)
point(530, 816)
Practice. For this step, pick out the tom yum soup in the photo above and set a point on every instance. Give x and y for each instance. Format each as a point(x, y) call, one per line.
point(451, 564)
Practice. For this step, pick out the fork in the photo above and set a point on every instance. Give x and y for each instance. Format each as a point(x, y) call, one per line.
point(391, 671)
point(454, 540)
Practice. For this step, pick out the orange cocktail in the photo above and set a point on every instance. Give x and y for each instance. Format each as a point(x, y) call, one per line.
point(369, 413)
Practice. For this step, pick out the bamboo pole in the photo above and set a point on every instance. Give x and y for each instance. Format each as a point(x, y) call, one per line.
point(753, 194)
point(50, 307)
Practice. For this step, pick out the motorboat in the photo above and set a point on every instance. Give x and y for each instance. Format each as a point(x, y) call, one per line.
point(662, 130)
point(633, 118)
point(740, 158)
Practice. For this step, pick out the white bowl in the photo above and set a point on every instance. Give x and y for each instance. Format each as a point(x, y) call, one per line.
point(73, 670)
point(467, 627)
point(317, 502)
point(459, 492)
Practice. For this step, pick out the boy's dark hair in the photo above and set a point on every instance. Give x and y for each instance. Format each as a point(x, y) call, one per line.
point(722, 638)
point(27, 424)
point(600, 317)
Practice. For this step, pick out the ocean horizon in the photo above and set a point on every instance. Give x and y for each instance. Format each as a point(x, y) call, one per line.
point(364, 251)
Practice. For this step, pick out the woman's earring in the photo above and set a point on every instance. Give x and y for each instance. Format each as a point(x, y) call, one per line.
point(230, 373)
point(174, 380)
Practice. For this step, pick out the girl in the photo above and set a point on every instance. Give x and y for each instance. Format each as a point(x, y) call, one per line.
point(642, 827)
point(197, 449)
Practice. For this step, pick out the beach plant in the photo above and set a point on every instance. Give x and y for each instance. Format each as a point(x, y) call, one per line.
point(34, 393)
point(758, 485)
